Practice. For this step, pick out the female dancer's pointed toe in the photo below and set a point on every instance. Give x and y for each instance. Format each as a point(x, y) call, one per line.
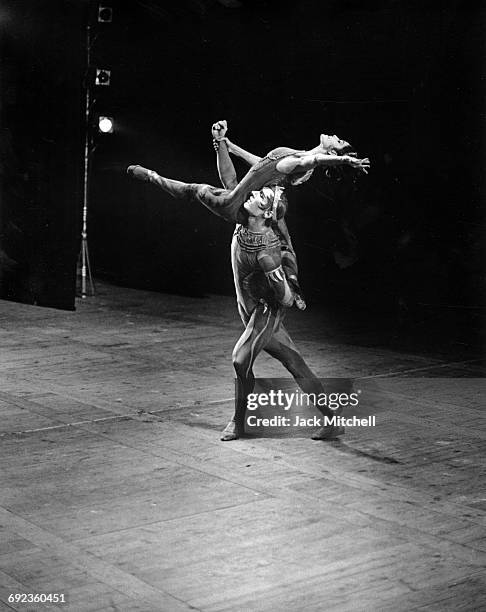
point(139, 172)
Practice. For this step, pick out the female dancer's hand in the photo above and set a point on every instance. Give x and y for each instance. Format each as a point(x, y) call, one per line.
point(360, 164)
point(219, 129)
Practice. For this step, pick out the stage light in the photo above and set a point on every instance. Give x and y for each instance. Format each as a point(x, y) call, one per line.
point(105, 14)
point(105, 124)
point(103, 76)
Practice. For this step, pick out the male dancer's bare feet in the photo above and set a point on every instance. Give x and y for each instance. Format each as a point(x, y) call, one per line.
point(231, 432)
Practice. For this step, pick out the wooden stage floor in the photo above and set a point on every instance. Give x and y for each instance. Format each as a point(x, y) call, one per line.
point(116, 491)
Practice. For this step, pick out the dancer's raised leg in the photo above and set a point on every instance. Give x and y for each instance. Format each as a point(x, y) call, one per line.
point(177, 189)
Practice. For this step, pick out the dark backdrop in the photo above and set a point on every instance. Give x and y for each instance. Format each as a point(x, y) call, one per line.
point(40, 149)
point(400, 80)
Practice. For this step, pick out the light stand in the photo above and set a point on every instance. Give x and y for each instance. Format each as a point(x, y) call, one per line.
point(105, 15)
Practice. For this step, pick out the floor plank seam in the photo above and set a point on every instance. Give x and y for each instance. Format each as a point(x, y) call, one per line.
point(123, 417)
point(178, 517)
point(421, 369)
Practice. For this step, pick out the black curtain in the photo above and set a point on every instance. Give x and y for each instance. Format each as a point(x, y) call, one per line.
point(41, 72)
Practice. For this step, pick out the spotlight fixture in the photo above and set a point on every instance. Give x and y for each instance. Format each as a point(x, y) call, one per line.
point(105, 124)
point(102, 77)
point(105, 14)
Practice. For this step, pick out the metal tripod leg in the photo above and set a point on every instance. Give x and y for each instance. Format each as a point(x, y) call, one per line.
point(87, 284)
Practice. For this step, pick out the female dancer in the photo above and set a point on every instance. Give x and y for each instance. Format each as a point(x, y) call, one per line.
point(280, 166)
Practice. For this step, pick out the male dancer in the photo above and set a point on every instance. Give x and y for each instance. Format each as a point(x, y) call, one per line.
point(263, 294)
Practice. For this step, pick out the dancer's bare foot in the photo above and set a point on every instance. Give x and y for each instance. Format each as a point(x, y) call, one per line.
point(231, 432)
point(328, 432)
point(141, 173)
point(299, 302)
point(297, 291)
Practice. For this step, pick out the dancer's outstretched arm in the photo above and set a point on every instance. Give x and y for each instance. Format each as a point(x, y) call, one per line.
point(226, 169)
point(309, 161)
